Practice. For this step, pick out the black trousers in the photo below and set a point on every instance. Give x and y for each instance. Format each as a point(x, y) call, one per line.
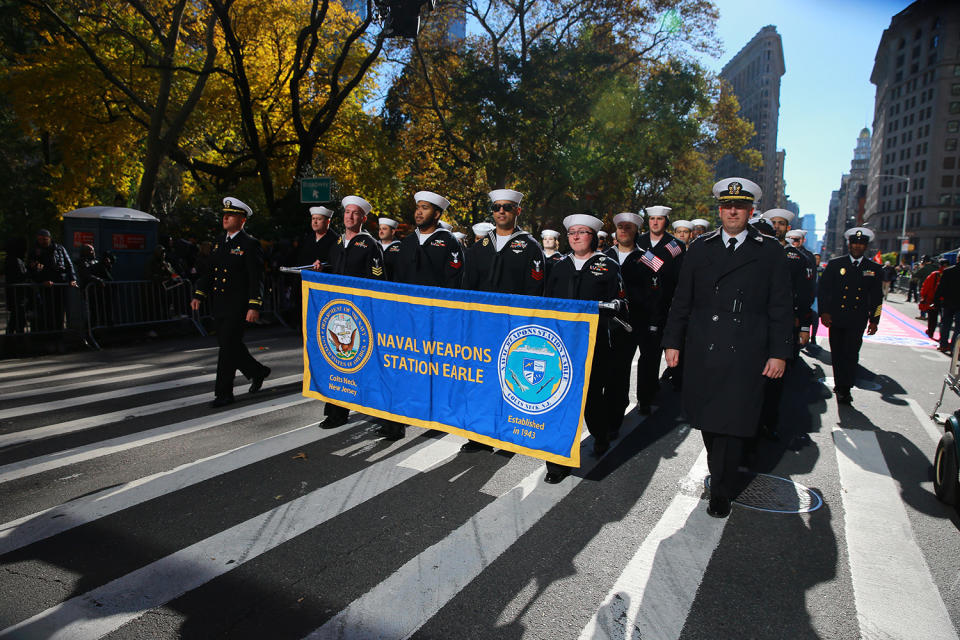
point(772, 394)
point(933, 315)
point(233, 354)
point(335, 410)
point(648, 363)
point(619, 379)
point(845, 343)
point(724, 454)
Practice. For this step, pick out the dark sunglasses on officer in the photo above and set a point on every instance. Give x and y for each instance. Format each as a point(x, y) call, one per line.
point(509, 207)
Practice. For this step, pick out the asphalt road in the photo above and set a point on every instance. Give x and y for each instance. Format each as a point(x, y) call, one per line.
point(133, 510)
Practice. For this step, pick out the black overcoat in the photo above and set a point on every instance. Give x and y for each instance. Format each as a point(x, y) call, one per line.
point(234, 278)
point(730, 313)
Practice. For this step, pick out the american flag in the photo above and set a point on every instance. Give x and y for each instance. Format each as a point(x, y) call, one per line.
point(673, 248)
point(651, 260)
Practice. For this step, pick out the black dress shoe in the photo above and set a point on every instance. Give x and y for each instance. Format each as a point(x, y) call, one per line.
point(614, 435)
point(719, 507)
point(770, 433)
point(221, 401)
point(600, 448)
point(473, 447)
point(256, 382)
point(644, 408)
point(555, 477)
point(392, 431)
point(332, 422)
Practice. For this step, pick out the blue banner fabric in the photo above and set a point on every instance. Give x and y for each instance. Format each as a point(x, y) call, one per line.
point(508, 371)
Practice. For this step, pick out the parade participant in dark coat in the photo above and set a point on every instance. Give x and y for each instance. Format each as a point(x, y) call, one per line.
point(850, 300)
point(659, 257)
point(97, 272)
point(18, 298)
point(50, 264)
point(316, 244)
point(586, 274)
point(633, 274)
point(700, 227)
point(551, 248)
point(928, 301)
point(947, 296)
point(732, 316)
point(234, 286)
point(683, 231)
point(387, 231)
point(507, 259)
point(430, 256)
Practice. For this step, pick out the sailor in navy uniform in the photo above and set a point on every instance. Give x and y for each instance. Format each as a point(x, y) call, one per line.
point(586, 274)
point(430, 255)
point(700, 227)
point(316, 244)
point(234, 285)
point(850, 299)
point(682, 231)
point(480, 230)
point(658, 260)
point(390, 244)
point(732, 316)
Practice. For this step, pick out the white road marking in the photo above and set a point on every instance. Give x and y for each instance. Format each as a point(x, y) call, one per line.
point(886, 565)
point(41, 389)
point(83, 373)
point(31, 466)
point(50, 522)
point(49, 366)
point(925, 421)
point(654, 593)
point(12, 364)
point(106, 608)
point(80, 424)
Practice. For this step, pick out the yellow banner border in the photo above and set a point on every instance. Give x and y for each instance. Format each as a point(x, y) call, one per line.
point(591, 318)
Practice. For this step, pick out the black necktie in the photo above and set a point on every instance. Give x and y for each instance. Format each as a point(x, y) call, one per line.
point(731, 245)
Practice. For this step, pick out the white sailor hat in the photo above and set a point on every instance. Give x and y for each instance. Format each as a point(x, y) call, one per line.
point(737, 189)
point(445, 225)
point(602, 234)
point(626, 216)
point(433, 198)
point(459, 235)
point(584, 219)
point(700, 222)
point(506, 194)
point(235, 205)
point(358, 201)
point(658, 210)
point(683, 224)
point(858, 234)
point(770, 214)
point(549, 233)
point(390, 222)
point(482, 228)
point(796, 233)
point(321, 211)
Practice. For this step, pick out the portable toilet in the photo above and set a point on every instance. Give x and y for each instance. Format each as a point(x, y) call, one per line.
point(130, 234)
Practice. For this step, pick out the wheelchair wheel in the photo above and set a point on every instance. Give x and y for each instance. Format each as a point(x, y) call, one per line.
point(945, 480)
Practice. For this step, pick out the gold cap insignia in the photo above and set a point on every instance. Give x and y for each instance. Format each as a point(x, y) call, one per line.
point(734, 188)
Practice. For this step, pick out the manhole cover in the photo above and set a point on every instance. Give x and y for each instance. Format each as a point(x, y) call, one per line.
point(775, 494)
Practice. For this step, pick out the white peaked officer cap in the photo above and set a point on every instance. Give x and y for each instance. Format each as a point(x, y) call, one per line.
point(658, 210)
point(795, 233)
point(626, 216)
point(433, 198)
point(858, 233)
point(482, 228)
point(390, 222)
point(700, 222)
point(357, 200)
point(235, 205)
point(549, 233)
point(770, 214)
point(321, 211)
point(584, 219)
point(683, 224)
point(459, 235)
point(445, 225)
point(506, 194)
point(737, 189)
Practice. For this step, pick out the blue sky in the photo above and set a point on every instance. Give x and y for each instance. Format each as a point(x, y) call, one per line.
point(825, 95)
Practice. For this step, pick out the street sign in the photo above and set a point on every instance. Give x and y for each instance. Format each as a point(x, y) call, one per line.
point(315, 189)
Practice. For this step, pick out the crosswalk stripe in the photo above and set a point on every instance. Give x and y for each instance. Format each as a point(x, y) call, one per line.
point(83, 373)
point(42, 389)
point(644, 603)
point(33, 368)
point(31, 466)
point(80, 424)
point(886, 564)
point(427, 582)
point(106, 608)
point(50, 522)
point(77, 401)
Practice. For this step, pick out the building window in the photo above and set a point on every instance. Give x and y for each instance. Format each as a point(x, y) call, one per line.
point(956, 218)
point(943, 218)
point(956, 69)
point(944, 198)
point(953, 126)
point(949, 162)
point(946, 182)
point(955, 107)
point(950, 144)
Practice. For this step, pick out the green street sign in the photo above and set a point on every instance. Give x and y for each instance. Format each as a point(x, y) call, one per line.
point(315, 189)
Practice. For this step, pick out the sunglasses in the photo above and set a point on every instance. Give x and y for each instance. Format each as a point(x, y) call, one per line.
point(509, 207)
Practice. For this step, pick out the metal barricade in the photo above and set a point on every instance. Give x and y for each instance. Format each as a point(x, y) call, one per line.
point(37, 309)
point(276, 302)
point(126, 303)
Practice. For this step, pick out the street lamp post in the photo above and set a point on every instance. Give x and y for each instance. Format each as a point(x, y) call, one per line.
point(906, 204)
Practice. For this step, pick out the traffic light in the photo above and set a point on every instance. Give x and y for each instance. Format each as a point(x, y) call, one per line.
point(401, 18)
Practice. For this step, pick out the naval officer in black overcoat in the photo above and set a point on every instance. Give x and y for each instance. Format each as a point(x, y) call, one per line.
point(850, 299)
point(234, 285)
point(732, 316)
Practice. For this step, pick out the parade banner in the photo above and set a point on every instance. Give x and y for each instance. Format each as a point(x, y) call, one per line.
point(504, 370)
